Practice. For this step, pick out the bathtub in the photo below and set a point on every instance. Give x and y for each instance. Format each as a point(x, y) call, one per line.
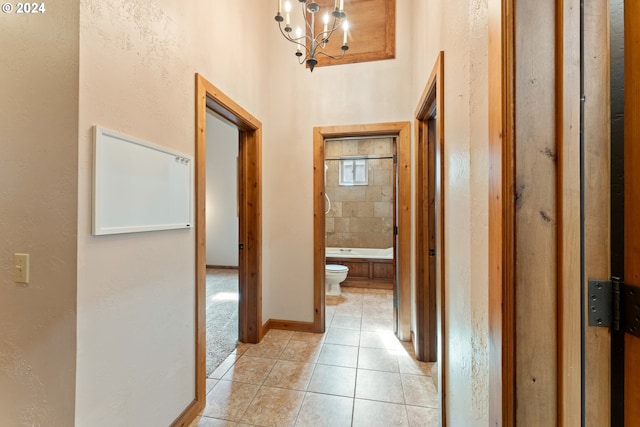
point(370, 268)
point(359, 253)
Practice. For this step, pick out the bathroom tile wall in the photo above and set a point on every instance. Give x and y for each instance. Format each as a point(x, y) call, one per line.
point(361, 216)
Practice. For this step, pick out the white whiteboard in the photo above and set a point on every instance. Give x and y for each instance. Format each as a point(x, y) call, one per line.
point(139, 186)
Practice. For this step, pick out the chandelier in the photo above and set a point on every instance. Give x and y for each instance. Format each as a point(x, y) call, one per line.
point(309, 41)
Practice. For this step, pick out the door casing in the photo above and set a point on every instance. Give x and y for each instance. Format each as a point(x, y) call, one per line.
point(250, 229)
point(401, 130)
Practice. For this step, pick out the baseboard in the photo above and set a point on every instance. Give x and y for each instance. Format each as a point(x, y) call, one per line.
point(223, 267)
point(189, 414)
point(366, 284)
point(287, 325)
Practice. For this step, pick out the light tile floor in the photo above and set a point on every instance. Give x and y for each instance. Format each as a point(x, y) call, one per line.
point(355, 374)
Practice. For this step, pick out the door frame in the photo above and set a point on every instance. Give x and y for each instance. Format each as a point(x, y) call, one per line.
point(402, 131)
point(430, 294)
point(208, 97)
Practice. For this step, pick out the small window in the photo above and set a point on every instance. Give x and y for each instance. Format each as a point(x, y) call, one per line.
point(353, 172)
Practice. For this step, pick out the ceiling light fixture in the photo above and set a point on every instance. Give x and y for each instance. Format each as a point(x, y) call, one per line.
point(311, 44)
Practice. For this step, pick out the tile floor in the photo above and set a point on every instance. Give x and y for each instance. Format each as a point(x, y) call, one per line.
point(355, 374)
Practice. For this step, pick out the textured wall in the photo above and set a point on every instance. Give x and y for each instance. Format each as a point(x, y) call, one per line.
point(465, 191)
point(38, 172)
point(136, 296)
point(361, 216)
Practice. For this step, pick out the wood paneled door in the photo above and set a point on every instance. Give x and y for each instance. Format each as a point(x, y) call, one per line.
point(629, 292)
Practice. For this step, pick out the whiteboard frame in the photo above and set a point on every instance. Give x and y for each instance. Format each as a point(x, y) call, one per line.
point(97, 227)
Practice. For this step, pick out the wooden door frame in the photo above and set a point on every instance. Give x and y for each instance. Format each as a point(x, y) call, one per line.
point(208, 97)
point(502, 390)
point(572, 244)
point(401, 130)
point(429, 323)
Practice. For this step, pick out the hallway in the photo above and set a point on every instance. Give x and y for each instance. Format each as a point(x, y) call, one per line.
point(357, 373)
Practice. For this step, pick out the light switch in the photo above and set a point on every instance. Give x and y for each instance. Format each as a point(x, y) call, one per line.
point(21, 268)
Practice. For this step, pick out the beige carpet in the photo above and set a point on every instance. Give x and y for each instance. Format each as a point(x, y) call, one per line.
point(222, 315)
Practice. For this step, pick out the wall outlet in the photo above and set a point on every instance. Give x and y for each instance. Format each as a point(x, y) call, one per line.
point(21, 268)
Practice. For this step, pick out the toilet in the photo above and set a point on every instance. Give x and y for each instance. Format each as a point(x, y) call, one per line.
point(333, 276)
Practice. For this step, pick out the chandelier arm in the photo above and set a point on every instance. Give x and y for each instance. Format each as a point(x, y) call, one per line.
point(331, 56)
point(292, 40)
point(323, 37)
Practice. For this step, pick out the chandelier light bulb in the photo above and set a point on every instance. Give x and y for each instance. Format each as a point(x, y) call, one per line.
point(345, 27)
point(310, 45)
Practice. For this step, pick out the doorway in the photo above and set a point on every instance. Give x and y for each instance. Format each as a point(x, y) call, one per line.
point(429, 234)
point(402, 293)
point(210, 98)
point(222, 240)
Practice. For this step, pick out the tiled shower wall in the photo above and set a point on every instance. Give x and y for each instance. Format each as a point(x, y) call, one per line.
point(361, 216)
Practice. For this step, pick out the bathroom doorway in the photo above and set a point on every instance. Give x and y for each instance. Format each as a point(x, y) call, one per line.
point(398, 177)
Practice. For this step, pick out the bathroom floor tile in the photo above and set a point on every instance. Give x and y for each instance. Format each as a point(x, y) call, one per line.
point(367, 413)
point(229, 400)
point(422, 417)
point(268, 348)
point(339, 355)
point(355, 374)
point(409, 365)
point(378, 359)
point(419, 390)
point(381, 386)
point(249, 369)
point(302, 351)
point(292, 375)
point(334, 380)
point(342, 337)
point(210, 384)
point(307, 337)
point(377, 323)
point(211, 422)
point(345, 321)
point(274, 407)
point(380, 339)
point(277, 334)
point(323, 410)
point(349, 310)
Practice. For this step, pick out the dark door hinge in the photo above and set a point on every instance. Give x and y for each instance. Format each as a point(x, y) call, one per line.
point(432, 252)
point(395, 230)
point(615, 304)
point(241, 246)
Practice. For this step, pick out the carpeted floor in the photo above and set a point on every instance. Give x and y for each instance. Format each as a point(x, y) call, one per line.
point(222, 315)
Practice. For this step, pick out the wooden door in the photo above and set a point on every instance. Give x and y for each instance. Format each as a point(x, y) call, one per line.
point(631, 202)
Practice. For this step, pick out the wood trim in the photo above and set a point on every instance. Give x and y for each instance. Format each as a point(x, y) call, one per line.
point(429, 317)
point(568, 202)
point(387, 51)
point(250, 269)
point(222, 267)
point(402, 130)
point(430, 304)
point(502, 267)
point(597, 140)
point(287, 325)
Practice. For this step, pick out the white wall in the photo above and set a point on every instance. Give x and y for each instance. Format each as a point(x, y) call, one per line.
point(136, 292)
point(459, 28)
point(222, 196)
point(38, 196)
